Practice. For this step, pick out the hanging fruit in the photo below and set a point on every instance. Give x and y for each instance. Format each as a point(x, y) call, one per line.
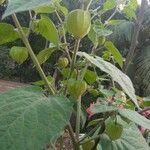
point(79, 23)
point(76, 88)
point(63, 62)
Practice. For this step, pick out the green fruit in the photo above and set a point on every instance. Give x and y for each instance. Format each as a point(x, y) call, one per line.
point(88, 145)
point(79, 23)
point(76, 88)
point(101, 40)
point(19, 54)
point(94, 92)
point(63, 62)
point(113, 130)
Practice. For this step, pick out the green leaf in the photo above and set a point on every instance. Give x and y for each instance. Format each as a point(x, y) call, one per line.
point(61, 8)
point(47, 29)
point(130, 13)
point(131, 139)
point(135, 117)
point(19, 54)
point(93, 36)
point(45, 54)
point(133, 4)
point(45, 9)
point(15, 6)
point(41, 82)
point(29, 120)
point(115, 22)
point(90, 76)
point(102, 31)
point(108, 5)
point(102, 108)
point(107, 93)
point(7, 33)
point(115, 52)
point(122, 79)
point(130, 9)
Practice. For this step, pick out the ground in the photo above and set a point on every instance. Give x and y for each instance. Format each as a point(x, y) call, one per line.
point(8, 85)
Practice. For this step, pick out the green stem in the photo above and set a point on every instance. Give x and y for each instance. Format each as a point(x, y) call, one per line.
point(61, 143)
point(71, 133)
point(64, 36)
point(88, 6)
point(32, 55)
point(74, 56)
point(87, 64)
point(78, 118)
point(91, 132)
point(88, 140)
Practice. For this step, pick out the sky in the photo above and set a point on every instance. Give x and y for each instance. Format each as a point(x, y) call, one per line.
point(139, 1)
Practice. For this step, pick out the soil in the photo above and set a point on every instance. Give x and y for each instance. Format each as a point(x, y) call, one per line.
point(8, 85)
point(67, 144)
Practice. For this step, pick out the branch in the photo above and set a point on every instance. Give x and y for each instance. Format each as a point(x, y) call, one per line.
point(33, 57)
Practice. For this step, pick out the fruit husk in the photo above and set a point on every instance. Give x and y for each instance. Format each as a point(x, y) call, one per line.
point(79, 23)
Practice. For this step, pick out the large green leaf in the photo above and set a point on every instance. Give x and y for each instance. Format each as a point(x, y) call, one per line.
point(29, 120)
point(135, 117)
point(131, 139)
point(117, 75)
point(115, 52)
point(47, 29)
point(7, 33)
point(15, 6)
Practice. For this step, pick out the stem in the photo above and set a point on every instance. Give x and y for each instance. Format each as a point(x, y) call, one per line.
point(71, 133)
point(88, 6)
point(88, 140)
point(90, 133)
point(64, 36)
point(53, 146)
point(88, 63)
point(76, 48)
point(61, 143)
point(32, 55)
point(112, 15)
point(78, 118)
